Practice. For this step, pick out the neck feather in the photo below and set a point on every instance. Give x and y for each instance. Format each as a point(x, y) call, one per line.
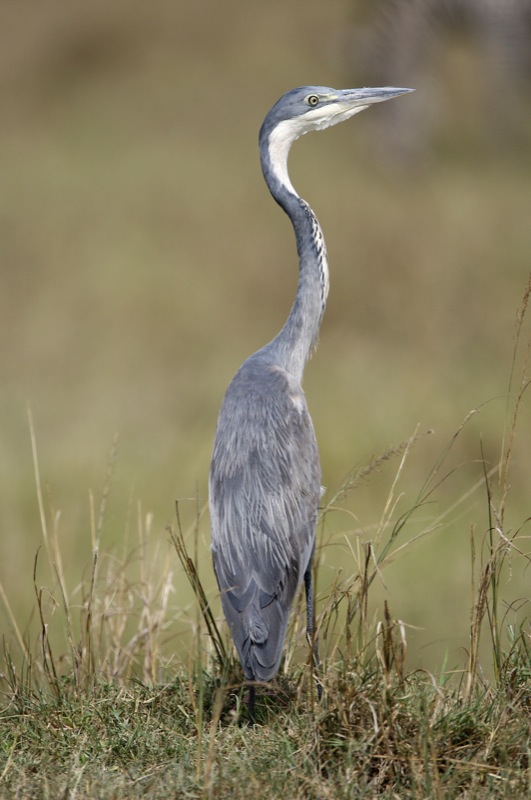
point(292, 347)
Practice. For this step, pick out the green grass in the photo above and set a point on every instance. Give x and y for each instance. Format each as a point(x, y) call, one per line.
point(373, 735)
point(379, 731)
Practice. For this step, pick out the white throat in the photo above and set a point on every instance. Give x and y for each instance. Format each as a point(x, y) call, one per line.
point(285, 133)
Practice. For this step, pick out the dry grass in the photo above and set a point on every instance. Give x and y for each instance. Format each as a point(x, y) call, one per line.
point(112, 713)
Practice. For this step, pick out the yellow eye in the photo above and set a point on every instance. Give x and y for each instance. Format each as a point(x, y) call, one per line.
point(312, 99)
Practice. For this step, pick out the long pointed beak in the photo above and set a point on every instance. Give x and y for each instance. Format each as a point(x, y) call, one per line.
point(366, 97)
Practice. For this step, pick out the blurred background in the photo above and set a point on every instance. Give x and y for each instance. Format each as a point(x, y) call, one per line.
point(142, 259)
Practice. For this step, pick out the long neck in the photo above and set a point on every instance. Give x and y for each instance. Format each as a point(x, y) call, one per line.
point(292, 347)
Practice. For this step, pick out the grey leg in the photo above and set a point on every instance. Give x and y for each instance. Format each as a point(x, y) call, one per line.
point(310, 624)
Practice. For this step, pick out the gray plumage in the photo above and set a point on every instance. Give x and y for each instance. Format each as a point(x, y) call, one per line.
point(264, 491)
point(265, 475)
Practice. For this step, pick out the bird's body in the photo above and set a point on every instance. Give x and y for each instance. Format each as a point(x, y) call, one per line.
point(265, 475)
point(265, 487)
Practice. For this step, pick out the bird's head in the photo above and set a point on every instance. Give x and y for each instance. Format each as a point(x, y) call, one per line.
point(312, 108)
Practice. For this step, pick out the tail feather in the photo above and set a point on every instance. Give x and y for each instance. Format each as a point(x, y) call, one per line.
point(258, 632)
point(256, 625)
point(265, 630)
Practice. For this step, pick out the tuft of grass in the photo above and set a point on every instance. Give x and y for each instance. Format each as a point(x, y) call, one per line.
point(98, 705)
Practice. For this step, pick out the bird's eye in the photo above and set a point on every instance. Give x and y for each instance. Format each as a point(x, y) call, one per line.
point(312, 99)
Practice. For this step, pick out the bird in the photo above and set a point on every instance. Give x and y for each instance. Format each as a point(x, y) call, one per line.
point(265, 474)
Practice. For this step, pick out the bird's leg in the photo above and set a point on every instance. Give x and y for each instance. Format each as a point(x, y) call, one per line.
point(310, 625)
point(250, 704)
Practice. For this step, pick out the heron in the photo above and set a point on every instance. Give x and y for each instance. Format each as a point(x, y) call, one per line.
point(265, 474)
